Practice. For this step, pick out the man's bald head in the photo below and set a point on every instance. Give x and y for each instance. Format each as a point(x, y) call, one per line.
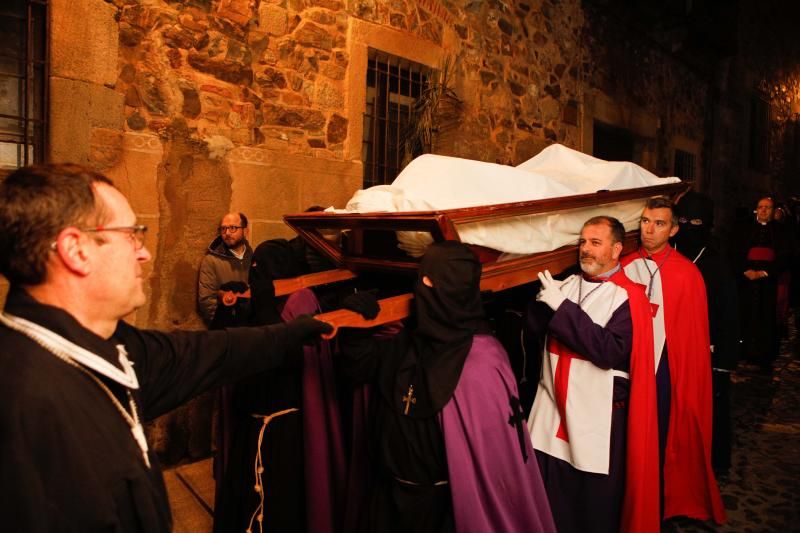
point(233, 230)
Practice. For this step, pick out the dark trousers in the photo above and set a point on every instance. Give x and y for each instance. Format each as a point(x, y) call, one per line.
point(721, 432)
point(663, 401)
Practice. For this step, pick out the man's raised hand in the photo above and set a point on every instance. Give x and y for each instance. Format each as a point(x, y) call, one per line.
point(550, 292)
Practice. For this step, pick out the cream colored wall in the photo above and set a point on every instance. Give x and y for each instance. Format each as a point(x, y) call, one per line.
point(84, 42)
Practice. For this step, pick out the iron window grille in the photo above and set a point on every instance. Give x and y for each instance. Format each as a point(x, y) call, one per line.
point(24, 63)
point(393, 86)
point(684, 165)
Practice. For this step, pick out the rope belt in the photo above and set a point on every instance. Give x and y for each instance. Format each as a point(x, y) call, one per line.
point(258, 514)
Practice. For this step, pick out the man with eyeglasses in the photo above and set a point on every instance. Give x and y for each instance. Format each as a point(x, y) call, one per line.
point(76, 382)
point(224, 271)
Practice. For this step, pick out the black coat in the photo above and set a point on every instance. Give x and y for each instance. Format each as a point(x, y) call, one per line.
point(723, 308)
point(68, 461)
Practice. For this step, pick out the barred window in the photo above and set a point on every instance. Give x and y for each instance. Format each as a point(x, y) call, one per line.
point(684, 165)
point(393, 86)
point(23, 82)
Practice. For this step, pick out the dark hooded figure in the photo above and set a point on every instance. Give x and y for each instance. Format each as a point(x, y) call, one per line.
point(695, 213)
point(447, 439)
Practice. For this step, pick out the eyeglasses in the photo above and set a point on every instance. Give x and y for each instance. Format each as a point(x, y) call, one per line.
point(692, 221)
point(229, 229)
point(136, 233)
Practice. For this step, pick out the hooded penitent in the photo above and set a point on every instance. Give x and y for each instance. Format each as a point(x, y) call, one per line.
point(448, 315)
point(695, 212)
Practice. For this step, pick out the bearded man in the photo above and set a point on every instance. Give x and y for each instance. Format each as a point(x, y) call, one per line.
point(593, 421)
point(225, 268)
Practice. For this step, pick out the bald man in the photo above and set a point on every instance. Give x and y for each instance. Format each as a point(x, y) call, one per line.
point(227, 262)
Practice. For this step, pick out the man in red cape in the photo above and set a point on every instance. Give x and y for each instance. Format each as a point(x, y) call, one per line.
point(599, 475)
point(676, 292)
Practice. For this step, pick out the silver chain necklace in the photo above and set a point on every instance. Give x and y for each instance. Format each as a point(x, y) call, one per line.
point(580, 291)
point(653, 272)
point(60, 348)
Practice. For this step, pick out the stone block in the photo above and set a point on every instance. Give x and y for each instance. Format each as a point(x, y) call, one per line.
point(105, 148)
point(84, 41)
point(333, 5)
point(333, 72)
point(309, 34)
point(272, 19)
point(76, 108)
point(337, 129)
point(237, 11)
point(328, 95)
point(269, 184)
point(232, 71)
point(549, 109)
point(136, 173)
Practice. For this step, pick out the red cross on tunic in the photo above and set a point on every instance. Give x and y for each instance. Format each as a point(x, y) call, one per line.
point(561, 381)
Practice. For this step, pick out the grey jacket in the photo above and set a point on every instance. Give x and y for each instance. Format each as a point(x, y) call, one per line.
point(217, 267)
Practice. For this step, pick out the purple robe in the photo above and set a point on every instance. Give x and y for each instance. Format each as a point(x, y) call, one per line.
point(322, 430)
point(493, 487)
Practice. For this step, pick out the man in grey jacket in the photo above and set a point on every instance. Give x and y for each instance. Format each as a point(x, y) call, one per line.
point(227, 260)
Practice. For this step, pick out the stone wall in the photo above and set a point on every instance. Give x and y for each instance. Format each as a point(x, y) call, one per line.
point(664, 102)
point(198, 108)
point(520, 65)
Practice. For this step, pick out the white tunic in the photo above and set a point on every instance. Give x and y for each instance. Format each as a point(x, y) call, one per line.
point(589, 401)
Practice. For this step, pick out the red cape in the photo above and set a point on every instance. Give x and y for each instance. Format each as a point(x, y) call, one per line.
point(690, 488)
point(640, 509)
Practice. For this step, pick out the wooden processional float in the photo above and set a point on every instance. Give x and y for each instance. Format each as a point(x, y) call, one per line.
point(365, 242)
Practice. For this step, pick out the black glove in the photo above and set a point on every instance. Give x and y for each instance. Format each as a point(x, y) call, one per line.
point(363, 303)
point(234, 286)
point(306, 330)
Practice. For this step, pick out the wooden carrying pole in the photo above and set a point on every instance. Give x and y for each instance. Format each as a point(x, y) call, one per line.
point(494, 277)
point(290, 285)
point(392, 309)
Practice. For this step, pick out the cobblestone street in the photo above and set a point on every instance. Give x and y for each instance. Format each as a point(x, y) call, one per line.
point(761, 489)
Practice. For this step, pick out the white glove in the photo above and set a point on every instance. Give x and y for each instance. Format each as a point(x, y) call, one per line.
point(551, 291)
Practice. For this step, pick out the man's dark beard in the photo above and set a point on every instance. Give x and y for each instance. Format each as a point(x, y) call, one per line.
point(235, 244)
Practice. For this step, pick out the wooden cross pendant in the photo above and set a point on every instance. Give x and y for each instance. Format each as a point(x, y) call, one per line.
point(408, 399)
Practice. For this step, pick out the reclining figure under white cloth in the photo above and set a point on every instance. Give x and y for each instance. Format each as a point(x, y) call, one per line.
point(435, 182)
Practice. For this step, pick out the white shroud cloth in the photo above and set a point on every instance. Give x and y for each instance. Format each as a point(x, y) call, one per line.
point(435, 182)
